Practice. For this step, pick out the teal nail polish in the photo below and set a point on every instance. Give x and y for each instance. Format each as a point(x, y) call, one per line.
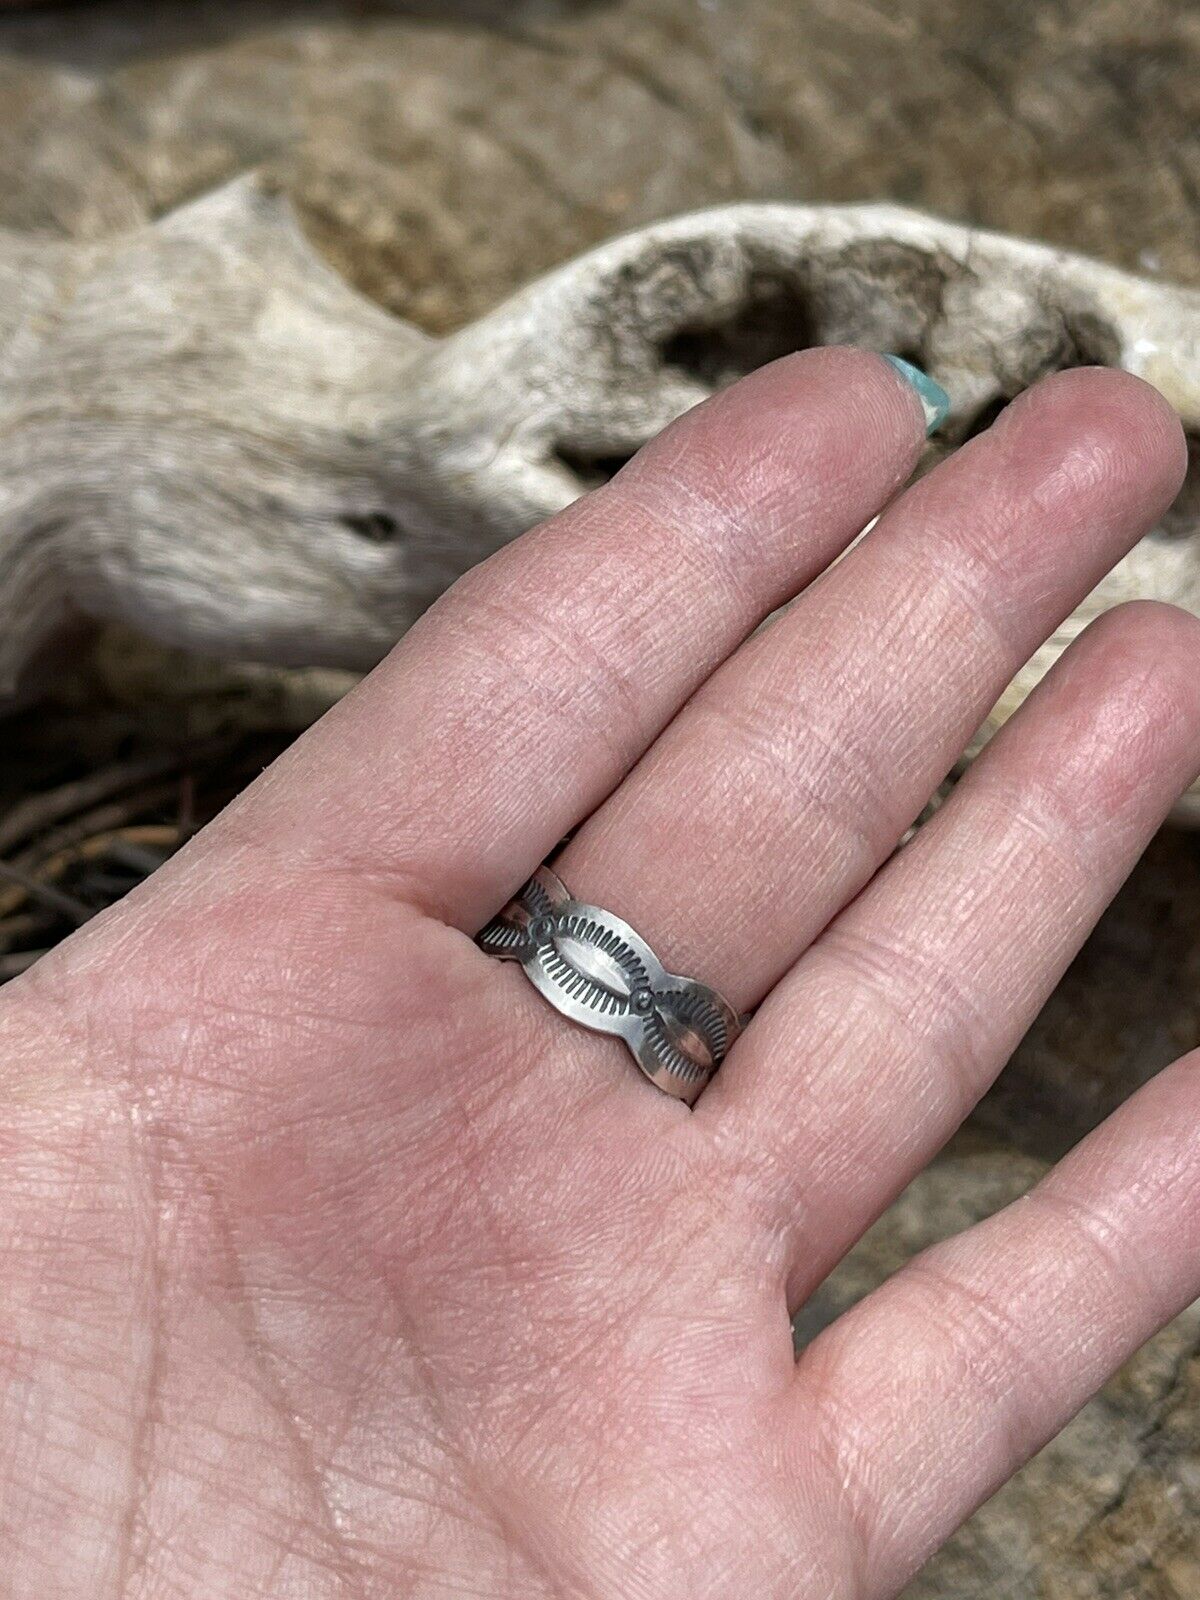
point(934, 399)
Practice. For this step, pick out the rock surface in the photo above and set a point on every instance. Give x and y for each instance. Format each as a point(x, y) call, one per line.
point(443, 154)
point(446, 152)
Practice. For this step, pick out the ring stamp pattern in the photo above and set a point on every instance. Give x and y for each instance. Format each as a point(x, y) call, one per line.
point(595, 969)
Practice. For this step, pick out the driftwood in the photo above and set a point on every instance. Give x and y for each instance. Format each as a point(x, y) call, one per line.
point(208, 435)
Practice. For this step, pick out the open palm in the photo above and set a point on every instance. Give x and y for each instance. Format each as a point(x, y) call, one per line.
point(334, 1262)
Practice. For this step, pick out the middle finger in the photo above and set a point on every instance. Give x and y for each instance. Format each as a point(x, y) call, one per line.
point(785, 781)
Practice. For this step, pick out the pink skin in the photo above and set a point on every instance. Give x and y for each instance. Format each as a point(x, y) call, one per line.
point(333, 1263)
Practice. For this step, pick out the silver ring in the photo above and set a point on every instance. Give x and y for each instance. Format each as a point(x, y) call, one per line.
point(593, 967)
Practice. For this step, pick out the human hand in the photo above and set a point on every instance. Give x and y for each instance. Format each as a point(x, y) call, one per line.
point(334, 1262)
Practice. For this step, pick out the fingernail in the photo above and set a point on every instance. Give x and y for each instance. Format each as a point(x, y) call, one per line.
point(935, 402)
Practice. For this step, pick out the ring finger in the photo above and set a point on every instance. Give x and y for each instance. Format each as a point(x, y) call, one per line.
point(792, 773)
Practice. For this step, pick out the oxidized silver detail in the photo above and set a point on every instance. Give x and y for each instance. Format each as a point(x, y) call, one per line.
point(593, 967)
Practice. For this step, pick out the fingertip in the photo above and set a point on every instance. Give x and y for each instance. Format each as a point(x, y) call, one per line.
point(1115, 423)
point(1158, 623)
point(859, 384)
point(1155, 646)
point(831, 422)
point(1122, 712)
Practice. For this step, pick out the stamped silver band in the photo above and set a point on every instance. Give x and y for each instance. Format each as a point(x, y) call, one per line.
point(595, 969)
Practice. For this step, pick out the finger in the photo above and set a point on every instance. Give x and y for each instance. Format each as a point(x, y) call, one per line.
point(933, 1390)
point(874, 1049)
point(523, 696)
point(793, 772)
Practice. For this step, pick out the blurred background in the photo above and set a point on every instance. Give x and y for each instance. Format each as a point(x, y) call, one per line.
point(440, 156)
